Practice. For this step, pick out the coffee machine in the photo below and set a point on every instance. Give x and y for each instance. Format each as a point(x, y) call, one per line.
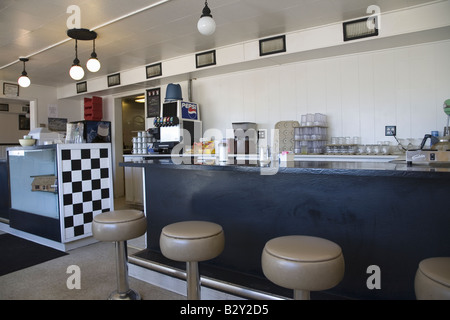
point(439, 153)
point(245, 138)
point(179, 123)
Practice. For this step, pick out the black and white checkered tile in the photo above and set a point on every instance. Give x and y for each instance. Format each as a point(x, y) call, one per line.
point(87, 191)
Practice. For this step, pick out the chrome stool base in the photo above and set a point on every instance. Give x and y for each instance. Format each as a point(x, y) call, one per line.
point(130, 295)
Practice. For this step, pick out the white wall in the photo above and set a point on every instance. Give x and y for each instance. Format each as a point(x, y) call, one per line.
point(9, 124)
point(45, 96)
point(360, 93)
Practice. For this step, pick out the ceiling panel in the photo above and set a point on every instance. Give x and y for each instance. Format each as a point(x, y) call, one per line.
point(156, 34)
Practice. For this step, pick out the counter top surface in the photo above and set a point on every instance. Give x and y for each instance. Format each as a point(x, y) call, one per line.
point(35, 147)
point(391, 168)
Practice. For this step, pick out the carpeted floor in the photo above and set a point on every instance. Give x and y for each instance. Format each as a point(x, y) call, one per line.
point(96, 262)
point(17, 254)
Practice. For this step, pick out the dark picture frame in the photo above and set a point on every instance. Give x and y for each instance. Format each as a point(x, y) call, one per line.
point(366, 32)
point(4, 107)
point(24, 122)
point(81, 87)
point(205, 59)
point(153, 71)
point(10, 89)
point(153, 100)
point(114, 80)
point(272, 45)
point(57, 124)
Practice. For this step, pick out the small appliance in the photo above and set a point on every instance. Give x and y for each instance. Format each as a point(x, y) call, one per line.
point(43, 136)
point(245, 138)
point(439, 153)
point(95, 131)
point(179, 123)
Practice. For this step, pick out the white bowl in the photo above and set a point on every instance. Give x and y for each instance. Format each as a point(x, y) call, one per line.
point(27, 142)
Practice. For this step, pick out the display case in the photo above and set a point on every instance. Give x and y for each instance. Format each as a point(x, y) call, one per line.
point(56, 190)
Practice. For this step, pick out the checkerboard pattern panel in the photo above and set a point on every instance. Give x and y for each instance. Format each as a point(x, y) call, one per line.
point(86, 189)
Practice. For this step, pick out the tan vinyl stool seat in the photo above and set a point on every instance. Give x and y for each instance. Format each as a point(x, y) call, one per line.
point(192, 242)
point(303, 263)
point(119, 226)
point(432, 280)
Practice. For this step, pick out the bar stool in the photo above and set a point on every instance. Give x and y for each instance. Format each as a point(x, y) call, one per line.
point(120, 226)
point(432, 281)
point(303, 263)
point(192, 242)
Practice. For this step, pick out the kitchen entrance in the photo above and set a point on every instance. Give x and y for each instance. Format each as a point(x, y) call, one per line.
point(133, 119)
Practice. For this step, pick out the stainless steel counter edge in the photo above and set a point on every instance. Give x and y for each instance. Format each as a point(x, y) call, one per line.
point(387, 169)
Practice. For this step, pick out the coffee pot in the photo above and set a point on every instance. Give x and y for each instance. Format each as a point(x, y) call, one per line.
point(437, 143)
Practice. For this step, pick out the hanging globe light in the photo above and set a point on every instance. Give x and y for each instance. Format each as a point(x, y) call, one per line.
point(23, 80)
point(93, 65)
point(206, 25)
point(76, 71)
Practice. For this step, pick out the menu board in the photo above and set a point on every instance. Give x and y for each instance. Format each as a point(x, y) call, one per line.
point(153, 102)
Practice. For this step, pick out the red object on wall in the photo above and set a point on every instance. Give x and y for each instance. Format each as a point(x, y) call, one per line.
point(93, 108)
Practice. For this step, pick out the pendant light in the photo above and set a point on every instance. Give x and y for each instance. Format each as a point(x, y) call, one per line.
point(76, 71)
point(23, 80)
point(206, 25)
point(93, 65)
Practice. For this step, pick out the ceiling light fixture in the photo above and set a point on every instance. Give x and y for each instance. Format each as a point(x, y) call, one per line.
point(206, 25)
point(93, 65)
point(23, 80)
point(76, 71)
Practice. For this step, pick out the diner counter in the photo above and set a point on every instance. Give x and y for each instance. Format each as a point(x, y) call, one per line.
point(384, 214)
point(389, 166)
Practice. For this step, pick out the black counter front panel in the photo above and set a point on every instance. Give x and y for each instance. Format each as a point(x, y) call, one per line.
point(45, 227)
point(392, 222)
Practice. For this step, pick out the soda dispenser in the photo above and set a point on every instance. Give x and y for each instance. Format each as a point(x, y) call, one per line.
point(179, 123)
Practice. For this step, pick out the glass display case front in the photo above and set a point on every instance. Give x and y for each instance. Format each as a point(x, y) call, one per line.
point(33, 181)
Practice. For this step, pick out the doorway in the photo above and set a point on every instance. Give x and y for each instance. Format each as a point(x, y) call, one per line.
point(133, 119)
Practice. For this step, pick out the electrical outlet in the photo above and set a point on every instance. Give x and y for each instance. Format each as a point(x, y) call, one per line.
point(262, 134)
point(391, 131)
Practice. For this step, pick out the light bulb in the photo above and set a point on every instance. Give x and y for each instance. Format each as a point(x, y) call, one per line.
point(76, 72)
point(206, 25)
point(24, 81)
point(93, 65)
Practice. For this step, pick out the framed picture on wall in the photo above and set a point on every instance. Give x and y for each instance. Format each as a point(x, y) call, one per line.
point(154, 70)
point(205, 59)
point(57, 124)
point(10, 89)
point(81, 87)
point(114, 80)
point(153, 102)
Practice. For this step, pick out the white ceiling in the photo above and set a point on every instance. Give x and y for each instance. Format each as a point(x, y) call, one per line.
point(37, 29)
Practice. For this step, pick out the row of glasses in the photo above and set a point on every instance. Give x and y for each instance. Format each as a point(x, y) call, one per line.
point(310, 133)
point(310, 147)
point(381, 148)
point(345, 140)
point(317, 119)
